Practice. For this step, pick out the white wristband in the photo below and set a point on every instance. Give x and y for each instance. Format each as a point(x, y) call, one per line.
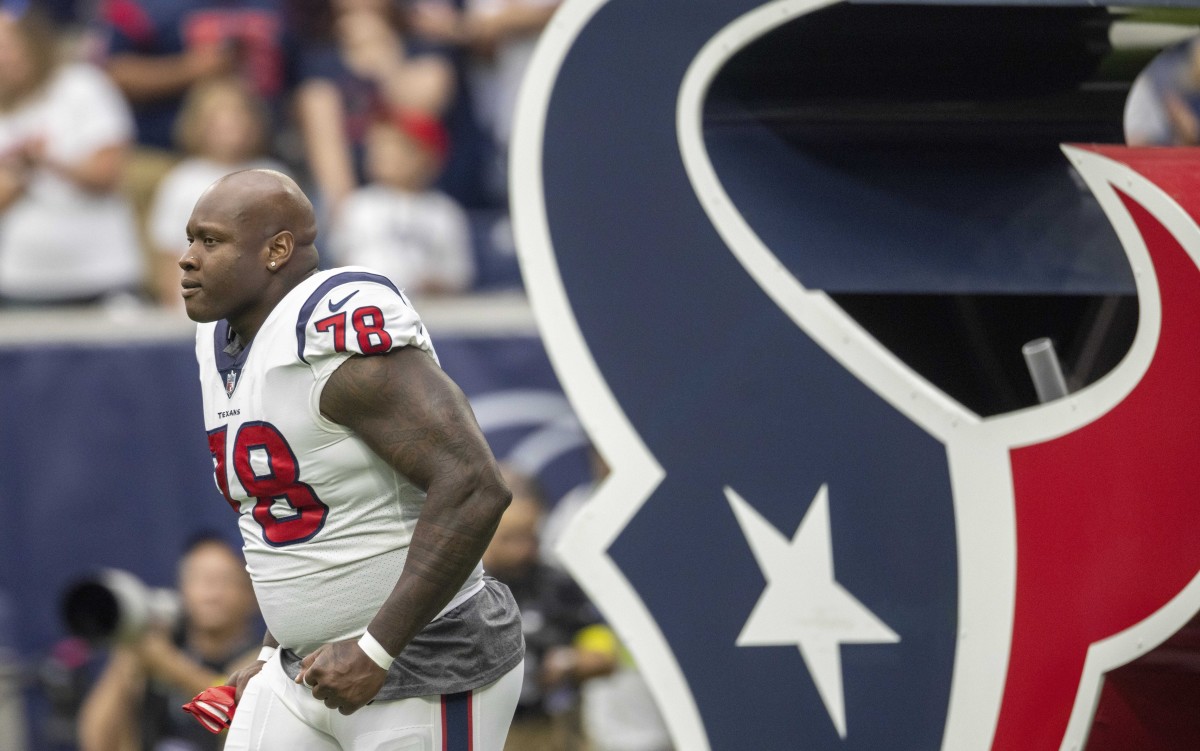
point(266, 653)
point(375, 651)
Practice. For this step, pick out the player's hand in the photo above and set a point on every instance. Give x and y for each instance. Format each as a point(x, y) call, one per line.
point(242, 676)
point(342, 676)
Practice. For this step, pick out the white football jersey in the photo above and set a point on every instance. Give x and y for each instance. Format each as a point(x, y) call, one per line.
point(326, 523)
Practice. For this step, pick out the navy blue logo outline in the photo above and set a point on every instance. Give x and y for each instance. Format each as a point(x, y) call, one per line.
point(637, 472)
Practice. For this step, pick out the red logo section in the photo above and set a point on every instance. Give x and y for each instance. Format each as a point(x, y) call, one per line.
point(1108, 529)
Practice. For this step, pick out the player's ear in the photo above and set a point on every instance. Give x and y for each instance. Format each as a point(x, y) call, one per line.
point(279, 249)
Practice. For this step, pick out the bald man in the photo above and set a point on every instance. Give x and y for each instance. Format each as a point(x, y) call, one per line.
point(365, 491)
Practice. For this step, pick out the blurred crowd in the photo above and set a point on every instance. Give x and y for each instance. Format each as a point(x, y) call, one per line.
point(394, 115)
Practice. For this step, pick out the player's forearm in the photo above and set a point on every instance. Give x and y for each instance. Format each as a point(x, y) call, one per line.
point(448, 542)
point(415, 418)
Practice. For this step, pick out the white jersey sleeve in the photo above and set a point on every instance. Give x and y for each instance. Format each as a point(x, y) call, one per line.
point(356, 312)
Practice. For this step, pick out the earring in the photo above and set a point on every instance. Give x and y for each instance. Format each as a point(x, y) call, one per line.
point(272, 264)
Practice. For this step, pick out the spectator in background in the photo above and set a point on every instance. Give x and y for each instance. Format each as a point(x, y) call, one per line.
point(501, 36)
point(554, 612)
point(12, 712)
point(358, 60)
point(223, 127)
point(398, 224)
point(135, 703)
point(66, 233)
point(156, 50)
point(618, 711)
point(1163, 108)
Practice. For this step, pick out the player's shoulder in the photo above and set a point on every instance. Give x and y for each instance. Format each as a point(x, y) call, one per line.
point(333, 290)
point(353, 310)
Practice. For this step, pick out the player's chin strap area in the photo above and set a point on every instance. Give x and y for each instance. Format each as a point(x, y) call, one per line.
point(213, 707)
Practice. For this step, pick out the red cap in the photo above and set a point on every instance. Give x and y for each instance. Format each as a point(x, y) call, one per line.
point(424, 129)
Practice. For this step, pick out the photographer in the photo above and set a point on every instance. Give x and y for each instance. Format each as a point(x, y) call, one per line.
point(135, 703)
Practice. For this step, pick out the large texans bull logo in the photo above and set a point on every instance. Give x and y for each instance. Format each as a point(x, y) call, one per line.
point(804, 543)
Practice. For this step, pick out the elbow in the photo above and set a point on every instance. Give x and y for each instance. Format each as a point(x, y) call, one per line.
point(499, 496)
point(477, 496)
point(491, 493)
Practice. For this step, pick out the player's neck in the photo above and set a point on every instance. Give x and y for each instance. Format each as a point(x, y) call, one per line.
point(244, 330)
point(247, 324)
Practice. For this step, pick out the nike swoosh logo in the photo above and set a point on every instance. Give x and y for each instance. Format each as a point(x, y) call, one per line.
point(336, 306)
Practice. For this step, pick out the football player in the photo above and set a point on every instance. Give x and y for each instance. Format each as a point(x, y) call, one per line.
point(365, 490)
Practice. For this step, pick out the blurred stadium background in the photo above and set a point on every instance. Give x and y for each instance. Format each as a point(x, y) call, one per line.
point(102, 456)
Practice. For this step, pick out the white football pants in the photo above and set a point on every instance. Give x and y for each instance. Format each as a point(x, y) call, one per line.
point(277, 714)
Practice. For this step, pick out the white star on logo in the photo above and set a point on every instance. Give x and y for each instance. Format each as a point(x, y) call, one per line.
point(802, 603)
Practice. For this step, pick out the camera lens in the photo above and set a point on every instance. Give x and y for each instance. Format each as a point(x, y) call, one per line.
point(90, 610)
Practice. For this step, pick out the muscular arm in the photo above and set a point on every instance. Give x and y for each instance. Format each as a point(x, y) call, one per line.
point(414, 417)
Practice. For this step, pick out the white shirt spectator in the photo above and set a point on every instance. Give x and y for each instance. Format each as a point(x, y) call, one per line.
point(57, 240)
point(620, 714)
point(496, 82)
point(421, 241)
